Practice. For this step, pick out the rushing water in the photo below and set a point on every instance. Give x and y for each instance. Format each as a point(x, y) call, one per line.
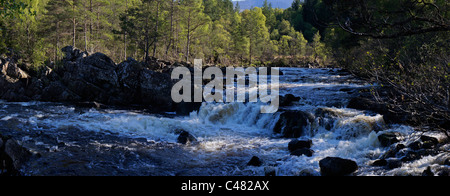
point(230, 134)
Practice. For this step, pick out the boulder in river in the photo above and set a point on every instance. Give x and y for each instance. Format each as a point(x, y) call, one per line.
point(335, 166)
point(389, 138)
point(288, 99)
point(292, 123)
point(185, 137)
point(303, 151)
point(296, 144)
point(255, 161)
point(12, 156)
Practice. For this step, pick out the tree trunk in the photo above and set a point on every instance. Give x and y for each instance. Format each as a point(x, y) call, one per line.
point(85, 37)
point(57, 41)
point(147, 44)
point(171, 28)
point(188, 43)
point(250, 52)
point(90, 25)
point(155, 39)
point(125, 32)
point(85, 29)
point(74, 23)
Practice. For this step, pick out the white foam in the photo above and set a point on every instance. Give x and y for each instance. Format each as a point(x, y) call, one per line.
point(9, 117)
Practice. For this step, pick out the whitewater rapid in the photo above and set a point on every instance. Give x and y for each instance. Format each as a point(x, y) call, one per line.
point(230, 134)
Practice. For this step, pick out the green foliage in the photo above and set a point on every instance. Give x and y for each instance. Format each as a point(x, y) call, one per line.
point(174, 30)
point(12, 8)
point(403, 45)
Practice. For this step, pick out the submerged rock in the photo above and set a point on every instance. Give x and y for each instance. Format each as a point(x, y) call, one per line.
point(335, 166)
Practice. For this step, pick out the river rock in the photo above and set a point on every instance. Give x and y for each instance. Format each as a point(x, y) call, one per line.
point(292, 123)
point(12, 156)
point(335, 166)
point(185, 108)
point(270, 171)
point(365, 103)
point(296, 144)
point(394, 163)
point(185, 137)
point(255, 161)
point(429, 142)
point(393, 151)
point(288, 99)
point(379, 162)
point(304, 151)
point(389, 138)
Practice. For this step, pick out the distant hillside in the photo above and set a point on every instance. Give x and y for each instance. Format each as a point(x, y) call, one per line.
point(248, 4)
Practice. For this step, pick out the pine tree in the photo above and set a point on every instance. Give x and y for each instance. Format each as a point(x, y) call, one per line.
point(193, 19)
point(254, 27)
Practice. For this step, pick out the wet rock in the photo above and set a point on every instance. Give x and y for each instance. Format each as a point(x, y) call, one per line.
point(394, 163)
point(185, 108)
point(288, 99)
point(335, 166)
point(364, 103)
point(296, 144)
point(429, 142)
point(270, 171)
point(410, 156)
point(389, 138)
point(292, 123)
point(255, 161)
point(427, 172)
point(442, 171)
point(186, 138)
point(308, 172)
point(379, 162)
point(12, 156)
point(393, 151)
point(443, 159)
point(367, 102)
point(416, 145)
point(304, 151)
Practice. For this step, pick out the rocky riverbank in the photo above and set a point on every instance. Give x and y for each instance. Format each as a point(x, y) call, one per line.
point(82, 78)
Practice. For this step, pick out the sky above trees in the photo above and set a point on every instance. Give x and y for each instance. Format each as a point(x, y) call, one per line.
point(248, 4)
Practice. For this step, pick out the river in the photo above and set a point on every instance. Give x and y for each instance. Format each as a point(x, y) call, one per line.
point(68, 140)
